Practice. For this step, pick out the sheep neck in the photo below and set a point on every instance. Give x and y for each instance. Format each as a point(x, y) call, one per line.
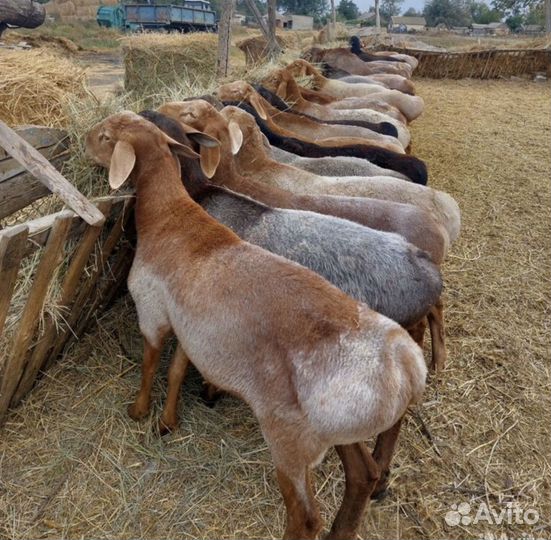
point(165, 210)
point(227, 176)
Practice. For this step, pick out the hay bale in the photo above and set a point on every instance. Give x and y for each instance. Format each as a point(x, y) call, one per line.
point(66, 8)
point(154, 61)
point(35, 85)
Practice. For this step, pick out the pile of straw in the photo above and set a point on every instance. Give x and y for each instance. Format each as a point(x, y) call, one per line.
point(36, 85)
point(155, 61)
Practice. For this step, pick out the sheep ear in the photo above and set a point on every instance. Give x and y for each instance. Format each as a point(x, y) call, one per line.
point(179, 148)
point(122, 163)
point(236, 136)
point(282, 90)
point(258, 107)
point(203, 139)
point(210, 158)
point(198, 136)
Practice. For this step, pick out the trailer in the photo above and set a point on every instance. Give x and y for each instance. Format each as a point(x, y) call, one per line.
point(180, 16)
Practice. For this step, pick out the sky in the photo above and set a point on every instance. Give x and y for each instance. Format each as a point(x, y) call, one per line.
point(364, 5)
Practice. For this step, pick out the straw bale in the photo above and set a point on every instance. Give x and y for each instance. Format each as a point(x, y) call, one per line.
point(66, 8)
point(35, 85)
point(155, 61)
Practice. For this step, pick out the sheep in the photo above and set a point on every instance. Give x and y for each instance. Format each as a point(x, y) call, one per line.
point(253, 160)
point(284, 85)
point(358, 260)
point(330, 166)
point(371, 84)
point(342, 59)
point(412, 168)
point(384, 128)
point(379, 214)
point(302, 125)
point(388, 56)
point(317, 368)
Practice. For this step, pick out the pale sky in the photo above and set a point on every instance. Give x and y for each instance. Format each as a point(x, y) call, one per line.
point(364, 5)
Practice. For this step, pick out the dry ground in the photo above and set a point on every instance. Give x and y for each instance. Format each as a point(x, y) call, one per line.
point(74, 466)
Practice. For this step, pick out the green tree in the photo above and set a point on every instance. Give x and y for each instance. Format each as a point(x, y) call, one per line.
point(536, 15)
point(481, 13)
point(348, 10)
point(412, 12)
point(517, 7)
point(514, 22)
point(449, 12)
point(314, 8)
point(389, 8)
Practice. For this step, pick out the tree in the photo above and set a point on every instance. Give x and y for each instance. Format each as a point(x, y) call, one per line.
point(449, 12)
point(24, 13)
point(315, 8)
point(412, 12)
point(516, 7)
point(481, 13)
point(389, 8)
point(348, 10)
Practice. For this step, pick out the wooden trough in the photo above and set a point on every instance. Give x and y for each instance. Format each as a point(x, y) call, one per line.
point(82, 255)
point(486, 64)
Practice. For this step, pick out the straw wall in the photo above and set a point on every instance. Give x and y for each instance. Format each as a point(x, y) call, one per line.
point(487, 64)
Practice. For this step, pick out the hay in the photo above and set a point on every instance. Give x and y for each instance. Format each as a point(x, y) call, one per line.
point(156, 61)
point(36, 85)
point(74, 465)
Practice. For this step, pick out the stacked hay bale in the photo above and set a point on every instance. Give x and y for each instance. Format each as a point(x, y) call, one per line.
point(36, 85)
point(76, 10)
point(156, 61)
point(256, 47)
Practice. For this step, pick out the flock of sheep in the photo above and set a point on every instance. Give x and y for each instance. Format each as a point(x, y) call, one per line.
point(288, 239)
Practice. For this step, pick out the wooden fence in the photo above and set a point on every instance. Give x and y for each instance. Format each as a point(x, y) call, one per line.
point(487, 64)
point(57, 272)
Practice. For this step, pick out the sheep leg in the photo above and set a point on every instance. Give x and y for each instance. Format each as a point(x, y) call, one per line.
point(383, 452)
point(176, 375)
point(417, 331)
point(438, 336)
point(151, 356)
point(303, 519)
point(361, 473)
point(210, 394)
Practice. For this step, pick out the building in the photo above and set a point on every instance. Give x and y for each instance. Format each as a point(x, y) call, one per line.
point(238, 18)
point(407, 24)
point(289, 21)
point(491, 29)
point(367, 17)
point(533, 29)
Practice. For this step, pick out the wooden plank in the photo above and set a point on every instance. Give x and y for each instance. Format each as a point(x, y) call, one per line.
point(12, 245)
point(40, 137)
point(31, 313)
point(46, 173)
point(87, 289)
point(39, 228)
point(23, 189)
point(66, 297)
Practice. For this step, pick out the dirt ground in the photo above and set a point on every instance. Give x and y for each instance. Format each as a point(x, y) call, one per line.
point(73, 465)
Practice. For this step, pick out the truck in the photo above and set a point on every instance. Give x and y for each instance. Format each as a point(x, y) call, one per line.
point(178, 15)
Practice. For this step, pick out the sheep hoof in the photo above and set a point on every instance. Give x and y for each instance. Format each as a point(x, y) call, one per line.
point(166, 427)
point(381, 493)
point(136, 412)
